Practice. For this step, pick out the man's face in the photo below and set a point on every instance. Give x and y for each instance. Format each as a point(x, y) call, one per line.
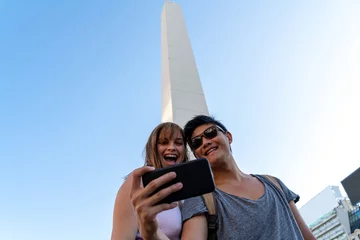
point(211, 142)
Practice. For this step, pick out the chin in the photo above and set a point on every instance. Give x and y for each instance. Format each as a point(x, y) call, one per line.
point(212, 157)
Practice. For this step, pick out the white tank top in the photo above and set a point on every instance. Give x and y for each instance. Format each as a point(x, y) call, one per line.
point(170, 223)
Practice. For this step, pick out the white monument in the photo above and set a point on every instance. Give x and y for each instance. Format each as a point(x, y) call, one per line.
point(182, 93)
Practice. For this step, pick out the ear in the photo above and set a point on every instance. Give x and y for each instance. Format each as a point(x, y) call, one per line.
point(229, 137)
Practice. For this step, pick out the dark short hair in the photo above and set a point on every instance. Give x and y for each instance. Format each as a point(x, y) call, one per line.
point(197, 121)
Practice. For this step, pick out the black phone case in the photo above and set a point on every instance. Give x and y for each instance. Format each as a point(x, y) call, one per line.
point(195, 175)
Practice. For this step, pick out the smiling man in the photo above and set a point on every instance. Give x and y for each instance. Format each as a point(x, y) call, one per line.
point(248, 206)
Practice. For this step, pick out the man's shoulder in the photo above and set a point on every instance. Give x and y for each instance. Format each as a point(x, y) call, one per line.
point(279, 186)
point(268, 178)
point(263, 175)
point(194, 201)
point(192, 207)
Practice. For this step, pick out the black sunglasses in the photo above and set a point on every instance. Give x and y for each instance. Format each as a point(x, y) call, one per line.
point(209, 133)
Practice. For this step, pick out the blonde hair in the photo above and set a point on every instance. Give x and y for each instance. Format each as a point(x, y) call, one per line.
point(152, 157)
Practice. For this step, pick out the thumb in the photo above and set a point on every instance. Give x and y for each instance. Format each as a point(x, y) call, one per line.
point(136, 177)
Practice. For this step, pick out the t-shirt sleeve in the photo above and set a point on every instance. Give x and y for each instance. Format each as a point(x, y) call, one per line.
point(290, 195)
point(193, 207)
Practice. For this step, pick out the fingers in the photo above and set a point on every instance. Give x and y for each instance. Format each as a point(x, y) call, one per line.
point(149, 208)
point(136, 178)
point(143, 198)
point(148, 214)
point(156, 183)
point(144, 195)
point(145, 204)
point(157, 197)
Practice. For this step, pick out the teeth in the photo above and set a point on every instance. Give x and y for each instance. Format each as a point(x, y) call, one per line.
point(170, 157)
point(210, 150)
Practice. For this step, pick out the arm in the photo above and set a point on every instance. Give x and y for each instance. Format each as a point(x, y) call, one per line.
point(146, 203)
point(124, 218)
point(307, 234)
point(195, 228)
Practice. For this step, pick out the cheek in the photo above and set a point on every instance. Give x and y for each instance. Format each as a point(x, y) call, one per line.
point(181, 149)
point(198, 153)
point(160, 149)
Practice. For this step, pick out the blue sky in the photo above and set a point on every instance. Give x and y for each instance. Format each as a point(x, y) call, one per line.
point(80, 91)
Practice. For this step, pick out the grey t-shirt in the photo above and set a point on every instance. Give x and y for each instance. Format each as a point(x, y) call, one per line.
point(268, 217)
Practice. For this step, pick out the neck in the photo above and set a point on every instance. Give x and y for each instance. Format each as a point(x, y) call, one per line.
point(227, 172)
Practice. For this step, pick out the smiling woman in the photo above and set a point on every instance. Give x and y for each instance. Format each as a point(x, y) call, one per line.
point(136, 215)
point(165, 146)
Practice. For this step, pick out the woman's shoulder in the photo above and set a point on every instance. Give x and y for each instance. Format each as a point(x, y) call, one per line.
point(125, 187)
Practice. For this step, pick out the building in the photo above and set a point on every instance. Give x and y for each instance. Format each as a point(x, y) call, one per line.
point(331, 226)
point(182, 93)
point(327, 215)
point(324, 202)
point(354, 218)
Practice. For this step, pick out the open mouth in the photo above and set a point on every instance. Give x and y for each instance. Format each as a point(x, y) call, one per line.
point(210, 151)
point(171, 158)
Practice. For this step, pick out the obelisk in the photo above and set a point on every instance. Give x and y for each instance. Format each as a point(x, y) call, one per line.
point(182, 93)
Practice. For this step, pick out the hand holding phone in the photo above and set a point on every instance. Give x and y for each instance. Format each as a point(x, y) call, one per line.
point(196, 178)
point(145, 205)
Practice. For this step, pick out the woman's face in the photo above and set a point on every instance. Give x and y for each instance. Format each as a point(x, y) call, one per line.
point(171, 149)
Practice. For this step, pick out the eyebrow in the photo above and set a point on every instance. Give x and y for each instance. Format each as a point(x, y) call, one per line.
point(165, 138)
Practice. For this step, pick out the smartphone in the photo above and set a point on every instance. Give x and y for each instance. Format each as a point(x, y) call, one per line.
point(195, 175)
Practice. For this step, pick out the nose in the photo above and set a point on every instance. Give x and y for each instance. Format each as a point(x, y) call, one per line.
point(205, 142)
point(171, 147)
